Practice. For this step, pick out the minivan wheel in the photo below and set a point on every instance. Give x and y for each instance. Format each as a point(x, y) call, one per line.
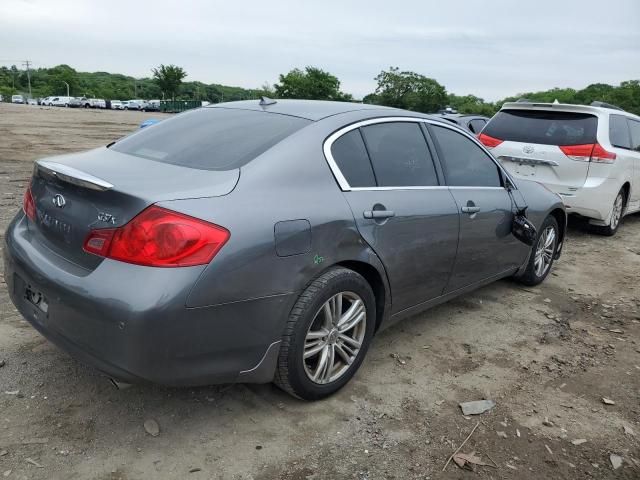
point(542, 254)
point(616, 217)
point(327, 335)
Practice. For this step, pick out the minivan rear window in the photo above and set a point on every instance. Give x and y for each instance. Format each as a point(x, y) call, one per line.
point(211, 138)
point(543, 127)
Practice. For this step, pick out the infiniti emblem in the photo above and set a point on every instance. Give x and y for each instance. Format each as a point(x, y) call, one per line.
point(528, 149)
point(58, 200)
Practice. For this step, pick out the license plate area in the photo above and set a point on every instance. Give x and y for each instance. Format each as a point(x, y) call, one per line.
point(31, 294)
point(36, 298)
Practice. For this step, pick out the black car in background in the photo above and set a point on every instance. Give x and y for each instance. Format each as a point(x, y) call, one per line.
point(471, 123)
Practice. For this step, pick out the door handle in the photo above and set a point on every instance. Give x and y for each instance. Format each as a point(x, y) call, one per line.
point(377, 214)
point(470, 209)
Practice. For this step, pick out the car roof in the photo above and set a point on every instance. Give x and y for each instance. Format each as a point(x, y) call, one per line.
point(310, 109)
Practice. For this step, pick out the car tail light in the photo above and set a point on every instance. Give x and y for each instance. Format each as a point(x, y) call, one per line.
point(158, 237)
point(488, 141)
point(28, 205)
point(589, 152)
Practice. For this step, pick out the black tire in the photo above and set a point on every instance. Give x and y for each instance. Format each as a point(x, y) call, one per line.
point(530, 277)
point(290, 373)
point(611, 229)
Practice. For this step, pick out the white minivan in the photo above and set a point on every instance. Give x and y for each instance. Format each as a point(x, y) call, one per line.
point(59, 101)
point(587, 154)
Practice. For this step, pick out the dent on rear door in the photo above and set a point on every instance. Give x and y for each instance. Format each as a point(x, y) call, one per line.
point(417, 246)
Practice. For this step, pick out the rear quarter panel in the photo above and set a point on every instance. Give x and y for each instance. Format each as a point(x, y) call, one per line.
point(291, 181)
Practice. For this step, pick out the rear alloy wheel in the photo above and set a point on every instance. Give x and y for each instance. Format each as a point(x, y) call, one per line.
point(616, 217)
point(542, 254)
point(327, 335)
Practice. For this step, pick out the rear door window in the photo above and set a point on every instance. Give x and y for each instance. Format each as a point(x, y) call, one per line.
point(634, 127)
point(350, 155)
point(399, 155)
point(619, 132)
point(543, 127)
point(211, 138)
point(465, 163)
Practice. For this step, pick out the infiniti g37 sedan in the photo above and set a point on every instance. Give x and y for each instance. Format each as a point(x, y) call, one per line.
point(265, 241)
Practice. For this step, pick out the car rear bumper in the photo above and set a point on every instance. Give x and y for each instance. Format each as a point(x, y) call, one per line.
point(131, 322)
point(594, 199)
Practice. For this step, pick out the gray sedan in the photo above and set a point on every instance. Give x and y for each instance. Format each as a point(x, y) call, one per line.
point(264, 241)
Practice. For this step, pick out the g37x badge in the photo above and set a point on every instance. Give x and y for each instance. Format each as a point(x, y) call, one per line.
point(106, 218)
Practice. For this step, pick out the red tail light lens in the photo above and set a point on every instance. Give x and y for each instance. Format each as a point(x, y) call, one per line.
point(158, 237)
point(599, 154)
point(28, 205)
point(488, 141)
point(589, 152)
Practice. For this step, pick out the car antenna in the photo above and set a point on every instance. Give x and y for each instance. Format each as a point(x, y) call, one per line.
point(264, 101)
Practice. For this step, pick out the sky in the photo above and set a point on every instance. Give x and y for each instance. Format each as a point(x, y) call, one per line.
point(489, 48)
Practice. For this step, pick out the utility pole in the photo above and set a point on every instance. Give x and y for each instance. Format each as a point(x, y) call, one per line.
point(27, 63)
point(67, 87)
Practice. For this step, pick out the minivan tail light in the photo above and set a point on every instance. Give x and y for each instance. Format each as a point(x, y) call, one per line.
point(28, 204)
point(488, 141)
point(588, 152)
point(158, 237)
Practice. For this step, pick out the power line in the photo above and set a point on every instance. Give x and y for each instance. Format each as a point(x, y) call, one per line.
point(27, 63)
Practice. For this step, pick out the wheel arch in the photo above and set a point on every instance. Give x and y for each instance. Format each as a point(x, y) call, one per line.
point(561, 217)
point(626, 187)
point(374, 279)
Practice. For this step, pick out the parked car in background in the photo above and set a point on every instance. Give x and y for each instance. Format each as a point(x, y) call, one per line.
point(363, 237)
point(124, 104)
point(136, 105)
point(59, 101)
point(79, 102)
point(32, 101)
point(98, 102)
point(17, 99)
point(116, 105)
point(152, 106)
point(588, 154)
point(472, 123)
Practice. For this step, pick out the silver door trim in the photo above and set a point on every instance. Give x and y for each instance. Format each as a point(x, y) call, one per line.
point(344, 184)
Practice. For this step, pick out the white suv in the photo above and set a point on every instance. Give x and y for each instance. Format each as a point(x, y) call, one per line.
point(589, 155)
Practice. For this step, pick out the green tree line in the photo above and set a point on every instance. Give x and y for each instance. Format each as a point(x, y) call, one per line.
point(395, 88)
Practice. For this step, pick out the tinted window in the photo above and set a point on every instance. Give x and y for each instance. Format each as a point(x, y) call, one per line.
point(465, 163)
point(399, 155)
point(634, 126)
point(476, 125)
point(548, 128)
point(211, 138)
point(619, 132)
point(350, 154)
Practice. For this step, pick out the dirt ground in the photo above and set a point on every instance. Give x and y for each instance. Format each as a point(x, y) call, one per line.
point(547, 356)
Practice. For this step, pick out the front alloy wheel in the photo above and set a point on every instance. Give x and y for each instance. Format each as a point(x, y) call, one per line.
point(545, 249)
point(542, 254)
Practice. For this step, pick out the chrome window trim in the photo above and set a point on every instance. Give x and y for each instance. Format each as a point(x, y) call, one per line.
point(344, 184)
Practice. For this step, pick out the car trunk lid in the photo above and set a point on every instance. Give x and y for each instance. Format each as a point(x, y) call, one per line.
point(102, 188)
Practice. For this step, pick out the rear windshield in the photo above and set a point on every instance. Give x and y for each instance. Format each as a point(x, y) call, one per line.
point(548, 128)
point(211, 138)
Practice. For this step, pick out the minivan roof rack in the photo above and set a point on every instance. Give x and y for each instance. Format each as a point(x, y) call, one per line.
point(523, 100)
point(606, 105)
point(267, 101)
